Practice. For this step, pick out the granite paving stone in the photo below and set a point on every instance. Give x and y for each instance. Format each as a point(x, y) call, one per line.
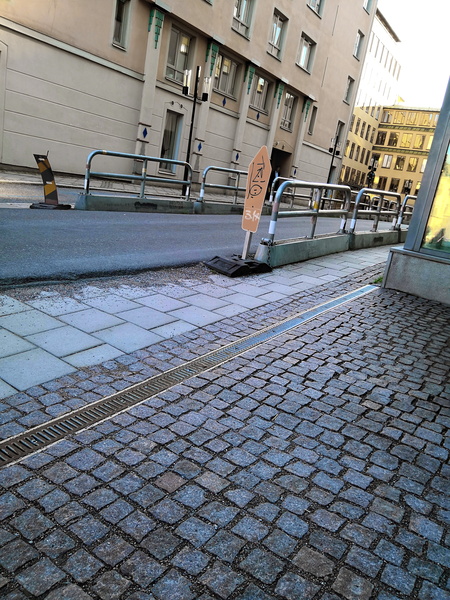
point(310, 467)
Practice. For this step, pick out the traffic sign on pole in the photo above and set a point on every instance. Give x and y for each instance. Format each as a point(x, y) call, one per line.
point(257, 181)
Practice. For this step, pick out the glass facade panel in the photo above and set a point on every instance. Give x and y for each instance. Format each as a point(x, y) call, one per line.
point(437, 233)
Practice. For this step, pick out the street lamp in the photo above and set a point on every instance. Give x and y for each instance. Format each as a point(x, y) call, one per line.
point(203, 98)
point(334, 151)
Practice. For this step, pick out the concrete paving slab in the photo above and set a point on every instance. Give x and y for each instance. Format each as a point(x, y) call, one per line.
point(196, 315)
point(56, 305)
point(128, 337)
point(173, 329)
point(231, 310)
point(145, 317)
point(6, 390)
point(111, 303)
point(93, 356)
point(161, 302)
point(247, 301)
point(30, 368)
point(206, 302)
point(64, 340)
point(10, 305)
point(28, 322)
point(12, 344)
point(217, 291)
point(91, 320)
point(248, 289)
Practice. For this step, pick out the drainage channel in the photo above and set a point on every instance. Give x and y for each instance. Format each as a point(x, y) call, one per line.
point(37, 438)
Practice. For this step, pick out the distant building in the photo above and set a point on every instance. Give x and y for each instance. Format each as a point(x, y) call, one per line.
point(378, 88)
point(401, 149)
point(110, 74)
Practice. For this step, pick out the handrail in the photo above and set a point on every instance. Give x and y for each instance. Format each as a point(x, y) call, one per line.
point(236, 187)
point(403, 208)
point(314, 212)
point(143, 178)
point(375, 212)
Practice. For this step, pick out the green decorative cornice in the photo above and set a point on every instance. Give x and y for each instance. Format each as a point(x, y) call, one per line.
point(250, 71)
point(306, 106)
point(214, 49)
point(395, 150)
point(407, 127)
point(159, 18)
point(279, 89)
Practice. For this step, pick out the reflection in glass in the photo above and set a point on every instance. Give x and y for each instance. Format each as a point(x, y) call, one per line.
point(437, 234)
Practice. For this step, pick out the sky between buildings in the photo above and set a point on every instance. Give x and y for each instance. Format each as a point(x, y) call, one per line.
point(424, 50)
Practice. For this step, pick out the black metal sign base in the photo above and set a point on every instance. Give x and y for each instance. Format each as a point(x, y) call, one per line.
point(234, 266)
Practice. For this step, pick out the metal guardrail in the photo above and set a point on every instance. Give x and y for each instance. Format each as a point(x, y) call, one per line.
point(379, 205)
point(314, 212)
point(144, 177)
point(404, 211)
point(235, 188)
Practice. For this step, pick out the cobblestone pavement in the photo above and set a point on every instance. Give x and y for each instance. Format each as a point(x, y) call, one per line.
point(312, 467)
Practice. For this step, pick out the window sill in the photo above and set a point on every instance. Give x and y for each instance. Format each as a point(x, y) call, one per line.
point(273, 55)
point(244, 35)
point(303, 68)
point(119, 46)
point(314, 11)
point(284, 128)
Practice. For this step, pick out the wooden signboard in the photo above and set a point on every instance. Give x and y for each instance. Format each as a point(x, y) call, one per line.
point(257, 181)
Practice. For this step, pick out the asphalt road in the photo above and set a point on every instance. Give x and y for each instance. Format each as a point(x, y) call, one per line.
point(47, 244)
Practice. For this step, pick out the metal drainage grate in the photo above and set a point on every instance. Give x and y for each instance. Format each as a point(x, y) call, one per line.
point(39, 437)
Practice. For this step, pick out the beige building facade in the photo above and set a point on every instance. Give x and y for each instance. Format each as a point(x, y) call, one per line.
point(378, 88)
point(120, 75)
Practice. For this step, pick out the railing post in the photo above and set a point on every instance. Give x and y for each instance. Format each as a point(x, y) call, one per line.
point(144, 175)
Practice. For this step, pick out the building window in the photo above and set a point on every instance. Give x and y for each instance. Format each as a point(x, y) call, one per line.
point(406, 140)
point(399, 118)
point(363, 153)
point(393, 139)
point(171, 140)
point(352, 150)
point(407, 185)
point(258, 98)
point(276, 34)
point(394, 185)
point(381, 138)
point(382, 182)
point(312, 121)
point(358, 123)
point(177, 60)
point(424, 164)
point(387, 161)
point(358, 148)
point(306, 52)
point(386, 117)
point(288, 111)
point(363, 128)
point(316, 5)
point(412, 163)
point(367, 5)
point(121, 22)
point(349, 89)
point(400, 163)
point(411, 118)
point(430, 141)
point(357, 50)
point(419, 142)
point(225, 75)
point(242, 16)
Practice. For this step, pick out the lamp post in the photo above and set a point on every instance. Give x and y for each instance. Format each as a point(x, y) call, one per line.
point(334, 150)
point(203, 98)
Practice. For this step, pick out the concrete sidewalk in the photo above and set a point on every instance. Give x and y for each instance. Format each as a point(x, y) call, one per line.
point(311, 467)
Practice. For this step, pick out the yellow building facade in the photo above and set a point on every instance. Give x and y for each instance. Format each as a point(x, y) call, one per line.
point(401, 148)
